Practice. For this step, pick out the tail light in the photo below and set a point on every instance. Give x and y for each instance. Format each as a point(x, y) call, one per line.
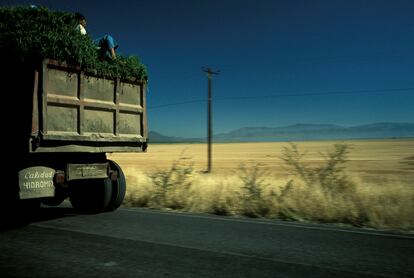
point(59, 177)
point(113, 175)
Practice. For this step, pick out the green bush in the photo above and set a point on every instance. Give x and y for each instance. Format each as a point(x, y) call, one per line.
point(252, 198)
point(32, 34)
point(330, 176)
point(171, 186)
point(327, 195)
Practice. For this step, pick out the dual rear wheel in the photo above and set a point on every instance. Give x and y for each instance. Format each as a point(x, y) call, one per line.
point(98, 195)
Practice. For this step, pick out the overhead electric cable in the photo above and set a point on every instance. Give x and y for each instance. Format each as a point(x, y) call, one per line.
point(375, 91)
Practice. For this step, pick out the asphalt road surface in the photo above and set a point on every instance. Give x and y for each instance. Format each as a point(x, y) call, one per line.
point(149, 243)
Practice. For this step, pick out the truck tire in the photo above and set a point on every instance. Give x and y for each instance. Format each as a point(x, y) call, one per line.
point(56, 200)
point(118, 187)
point(91, 196)
point(53, 201)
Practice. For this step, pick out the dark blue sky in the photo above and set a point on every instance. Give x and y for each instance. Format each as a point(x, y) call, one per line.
point(281, 62)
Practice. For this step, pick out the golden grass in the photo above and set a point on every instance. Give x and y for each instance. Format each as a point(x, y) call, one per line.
point(377, 161)
point(381, 170)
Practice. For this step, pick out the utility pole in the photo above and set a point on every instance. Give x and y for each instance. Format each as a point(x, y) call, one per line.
point(209, 117)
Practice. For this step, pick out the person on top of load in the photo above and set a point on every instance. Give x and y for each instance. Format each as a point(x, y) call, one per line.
point(106, 44)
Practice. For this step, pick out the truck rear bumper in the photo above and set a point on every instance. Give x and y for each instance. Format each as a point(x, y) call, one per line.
point(87, 171)
point(41, 181)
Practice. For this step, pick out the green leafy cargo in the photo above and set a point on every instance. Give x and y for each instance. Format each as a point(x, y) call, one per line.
point(32, 34)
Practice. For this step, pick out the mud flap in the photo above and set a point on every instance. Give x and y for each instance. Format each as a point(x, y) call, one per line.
point(36, 182)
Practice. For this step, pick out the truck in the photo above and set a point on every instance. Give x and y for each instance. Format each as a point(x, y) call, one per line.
point(59, 124)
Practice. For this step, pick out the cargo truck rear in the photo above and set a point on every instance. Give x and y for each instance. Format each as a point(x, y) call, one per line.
point(59, 122)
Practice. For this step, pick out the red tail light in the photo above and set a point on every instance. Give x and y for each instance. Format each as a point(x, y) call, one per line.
point(113, 175)
point(59, 177)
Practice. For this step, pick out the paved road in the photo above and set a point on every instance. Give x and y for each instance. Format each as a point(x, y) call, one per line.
point(148, 243)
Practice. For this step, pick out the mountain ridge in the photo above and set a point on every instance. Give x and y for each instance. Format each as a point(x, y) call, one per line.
point(303, 132)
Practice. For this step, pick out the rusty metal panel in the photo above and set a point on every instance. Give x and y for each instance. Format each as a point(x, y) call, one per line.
point(98, 89)
point(98, 121)
point(92, 112)
point(144, 127)
point(35, 106)
point(130, 94)
point(129, 124)
point(63, 83)
point(131, 109)
point(62, 118)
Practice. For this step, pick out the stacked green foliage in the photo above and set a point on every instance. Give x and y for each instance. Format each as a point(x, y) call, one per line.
point(32, 34)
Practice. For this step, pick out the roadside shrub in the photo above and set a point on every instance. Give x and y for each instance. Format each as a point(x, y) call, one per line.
point(253, 202)
point(331, 176)
point(139, 186)
point(171, 186)
point(251, 190)
point(326, 192)
point(221, 202)
point(323, 193)
point(390, 207)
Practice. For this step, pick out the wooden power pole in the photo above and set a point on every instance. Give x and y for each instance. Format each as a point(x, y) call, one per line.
point(209, 117)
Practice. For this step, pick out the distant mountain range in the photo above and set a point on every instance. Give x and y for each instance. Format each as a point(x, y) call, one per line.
point(302, 132)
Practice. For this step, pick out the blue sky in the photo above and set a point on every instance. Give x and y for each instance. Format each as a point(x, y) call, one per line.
point(281, 62)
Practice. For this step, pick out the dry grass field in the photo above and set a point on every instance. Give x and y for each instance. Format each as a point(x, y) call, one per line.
point(369, 184)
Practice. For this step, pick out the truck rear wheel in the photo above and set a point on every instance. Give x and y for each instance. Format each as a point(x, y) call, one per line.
point(91, 195)
point(60, 196)
point(118, 187)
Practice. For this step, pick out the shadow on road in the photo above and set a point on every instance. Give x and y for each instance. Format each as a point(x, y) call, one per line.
point(19, 217)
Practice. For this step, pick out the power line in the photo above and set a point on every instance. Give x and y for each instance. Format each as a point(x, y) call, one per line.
point(321, 93)
point(374, 91)
point(176, 103)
